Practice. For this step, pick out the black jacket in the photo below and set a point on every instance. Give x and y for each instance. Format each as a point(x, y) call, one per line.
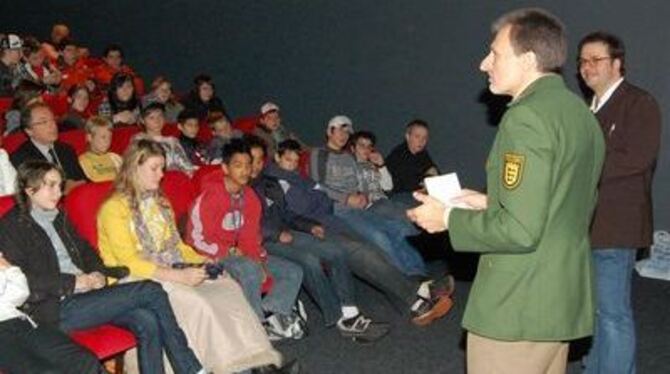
point(66, 155)
point(25, 244)
point(276, 215)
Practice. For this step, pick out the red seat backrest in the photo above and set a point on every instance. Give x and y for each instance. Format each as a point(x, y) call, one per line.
point(58, 104)
point(75, 139)
point(121, 138)
point(303, 163)
point(201, 174)
point(7, 202)
point(12, 142)
point(246, 124)
point(171, 129)
point(82, 205)
point(5, 104)
point(179, 189)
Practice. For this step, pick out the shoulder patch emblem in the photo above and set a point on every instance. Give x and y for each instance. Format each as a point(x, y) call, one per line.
point(513, 170)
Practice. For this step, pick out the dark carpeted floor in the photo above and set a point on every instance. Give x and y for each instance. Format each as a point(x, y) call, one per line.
point(438, 348)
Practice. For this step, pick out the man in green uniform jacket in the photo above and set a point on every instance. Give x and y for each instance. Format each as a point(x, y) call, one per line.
point(533, 290)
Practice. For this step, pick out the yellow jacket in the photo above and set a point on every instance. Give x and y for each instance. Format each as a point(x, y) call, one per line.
point(119, 245)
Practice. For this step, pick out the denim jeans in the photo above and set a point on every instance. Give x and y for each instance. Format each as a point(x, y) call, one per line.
point(143, 308)
point(369, 263)
point(329, 293)
point(389, 234)
point(287, 278)
point(613, 347)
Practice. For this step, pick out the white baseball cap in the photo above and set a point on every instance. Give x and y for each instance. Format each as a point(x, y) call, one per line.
point(341, 121)
point(11, 41)
point(269, 107)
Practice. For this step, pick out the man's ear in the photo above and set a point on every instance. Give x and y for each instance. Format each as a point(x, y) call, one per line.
point(617, 65)
point(277, 157)
point(530, 61)
point(224, 167)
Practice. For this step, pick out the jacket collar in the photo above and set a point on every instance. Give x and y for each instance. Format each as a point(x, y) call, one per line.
point(545, 82)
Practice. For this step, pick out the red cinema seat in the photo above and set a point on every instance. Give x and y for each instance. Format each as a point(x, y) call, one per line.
point(105, 341)
point(203, 173)
point(82, 205)
point(12, 142)
point(5, 104)
point(121, 138)
point(246, 124)
point(171, 129)
point(58, 103)
point(179, 189)
point(303, 163)
point(6, 204)
point(75, 139)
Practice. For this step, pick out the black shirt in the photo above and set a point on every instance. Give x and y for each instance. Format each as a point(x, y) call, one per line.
point(407, 169)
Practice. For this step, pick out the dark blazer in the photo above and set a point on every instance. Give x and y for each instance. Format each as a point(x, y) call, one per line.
point(25, 244)
point(66, 155)
point(631, 123)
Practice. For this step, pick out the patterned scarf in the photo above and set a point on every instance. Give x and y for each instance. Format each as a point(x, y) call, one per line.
point(156, 230)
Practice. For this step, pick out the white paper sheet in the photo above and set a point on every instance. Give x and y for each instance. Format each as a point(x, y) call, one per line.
point(444, 188)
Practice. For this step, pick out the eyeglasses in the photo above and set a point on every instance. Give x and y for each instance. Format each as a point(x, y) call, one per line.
point(43, 122)
point(592, 61)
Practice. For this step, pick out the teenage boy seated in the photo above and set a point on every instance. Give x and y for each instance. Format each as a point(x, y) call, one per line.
point(29, 348)
point(38, 121)
point(36, 68)
point(98, 163)
point(113, 63)
point(10, 56)
point(374, 178)
point(302, 240)
point(74, 68)
point(225, 224)
point(188, 124)
point(152, 121)
point(336, 171)
point(425, 301)
point(223, 132)
point(409, 162)
point(270, 129)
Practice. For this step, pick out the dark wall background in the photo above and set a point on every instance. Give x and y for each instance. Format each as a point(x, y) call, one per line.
point(380, 62)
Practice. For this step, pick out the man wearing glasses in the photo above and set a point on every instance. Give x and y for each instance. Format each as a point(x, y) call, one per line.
point(38, 122)
point(631, 122)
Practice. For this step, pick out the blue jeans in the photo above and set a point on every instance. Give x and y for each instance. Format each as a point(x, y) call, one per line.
point(329, 293)
point(613, 347)
point(389, 234)
point(249, 274)
point(143, 308)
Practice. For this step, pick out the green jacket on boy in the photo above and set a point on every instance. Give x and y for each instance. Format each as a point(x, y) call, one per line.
point(534, 279)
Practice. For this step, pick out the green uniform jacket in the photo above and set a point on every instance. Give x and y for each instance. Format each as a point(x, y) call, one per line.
point(534, 279)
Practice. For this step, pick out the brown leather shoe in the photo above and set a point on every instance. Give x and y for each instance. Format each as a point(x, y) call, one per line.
point(431, 310)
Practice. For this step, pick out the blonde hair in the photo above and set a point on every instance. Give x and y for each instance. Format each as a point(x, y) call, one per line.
point(97, 122)
point(127, 181)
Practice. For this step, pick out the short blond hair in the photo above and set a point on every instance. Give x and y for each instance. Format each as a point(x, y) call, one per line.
point(97, 122)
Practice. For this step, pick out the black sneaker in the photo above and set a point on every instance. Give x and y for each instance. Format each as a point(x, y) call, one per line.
point(361, 329)
point(279, 327)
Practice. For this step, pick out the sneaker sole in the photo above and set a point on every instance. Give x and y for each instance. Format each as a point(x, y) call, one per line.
point(439, 310)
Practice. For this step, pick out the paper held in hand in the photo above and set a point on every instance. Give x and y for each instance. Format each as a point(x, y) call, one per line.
point(444, 188)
